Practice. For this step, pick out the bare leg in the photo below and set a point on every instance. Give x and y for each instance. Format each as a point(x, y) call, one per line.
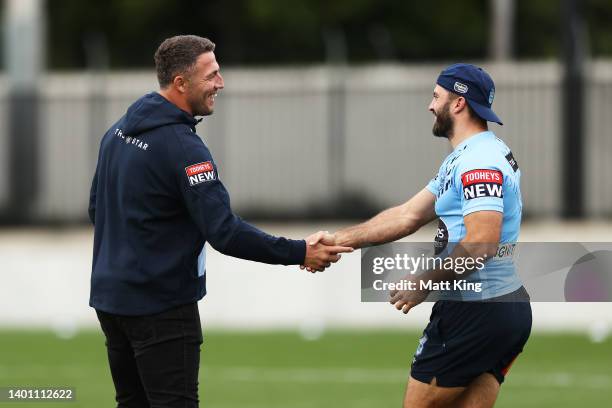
point(422, 395)
point(481, 393)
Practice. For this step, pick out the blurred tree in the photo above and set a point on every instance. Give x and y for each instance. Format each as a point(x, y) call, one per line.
point(599, 15)
point(298, 31)
point(537, 29)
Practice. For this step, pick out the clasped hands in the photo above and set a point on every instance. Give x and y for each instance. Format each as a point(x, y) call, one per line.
point(322, 251)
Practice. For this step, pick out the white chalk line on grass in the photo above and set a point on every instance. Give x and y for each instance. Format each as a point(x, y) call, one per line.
point(367, 375)
point(307, 375)
point(320, 375)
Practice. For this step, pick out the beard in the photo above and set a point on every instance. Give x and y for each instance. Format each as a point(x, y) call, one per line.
point(198, 105)
point(443, 126)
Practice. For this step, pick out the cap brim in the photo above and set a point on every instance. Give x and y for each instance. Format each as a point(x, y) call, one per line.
point(484, 112)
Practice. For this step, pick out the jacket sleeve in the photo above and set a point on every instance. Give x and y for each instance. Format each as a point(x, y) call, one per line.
point(91, 209)
point(208, 203)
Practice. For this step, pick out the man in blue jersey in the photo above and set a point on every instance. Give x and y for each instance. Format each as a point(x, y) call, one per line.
point(473, 336)
point(156, 201)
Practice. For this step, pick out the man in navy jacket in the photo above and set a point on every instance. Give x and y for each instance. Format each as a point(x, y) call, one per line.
point(156, 200)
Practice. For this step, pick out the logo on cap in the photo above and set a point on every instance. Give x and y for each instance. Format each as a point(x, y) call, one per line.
point(491, 95)
point(461, 88)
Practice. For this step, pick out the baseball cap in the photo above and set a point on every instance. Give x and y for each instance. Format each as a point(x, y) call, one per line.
point(474, 84)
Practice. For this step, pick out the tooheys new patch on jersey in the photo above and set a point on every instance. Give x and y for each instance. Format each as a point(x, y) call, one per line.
point(482, 183)
point(200, 172)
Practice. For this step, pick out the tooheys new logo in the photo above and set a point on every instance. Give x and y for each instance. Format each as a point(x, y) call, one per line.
point(482, 183)
point(199, 173)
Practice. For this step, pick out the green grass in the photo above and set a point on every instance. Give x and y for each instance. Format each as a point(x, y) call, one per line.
point(279, 369)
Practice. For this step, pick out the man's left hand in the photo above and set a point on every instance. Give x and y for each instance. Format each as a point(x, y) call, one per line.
point(405, 300)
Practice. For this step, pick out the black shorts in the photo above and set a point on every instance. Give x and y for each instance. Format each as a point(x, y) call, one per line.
point(466, 339)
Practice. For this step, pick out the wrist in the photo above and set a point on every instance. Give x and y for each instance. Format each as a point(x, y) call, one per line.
point(342, 239)
point(297, 252)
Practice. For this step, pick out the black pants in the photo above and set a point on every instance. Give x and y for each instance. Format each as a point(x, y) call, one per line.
point(154, 360)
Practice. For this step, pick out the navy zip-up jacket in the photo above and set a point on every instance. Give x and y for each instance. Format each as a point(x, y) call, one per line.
point(155, 200)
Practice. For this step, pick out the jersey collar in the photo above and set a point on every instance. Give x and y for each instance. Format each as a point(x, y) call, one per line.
point(475, 138)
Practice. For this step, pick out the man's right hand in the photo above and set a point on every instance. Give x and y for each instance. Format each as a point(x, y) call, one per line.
point(320, 256)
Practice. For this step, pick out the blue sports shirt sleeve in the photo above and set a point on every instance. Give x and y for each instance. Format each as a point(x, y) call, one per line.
point(481, 186)
point(208, 202)
point(434, 185)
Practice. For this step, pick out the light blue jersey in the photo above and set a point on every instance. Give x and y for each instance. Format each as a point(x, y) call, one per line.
point(480, 174)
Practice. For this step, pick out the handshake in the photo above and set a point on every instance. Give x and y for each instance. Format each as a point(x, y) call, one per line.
point(322, 251)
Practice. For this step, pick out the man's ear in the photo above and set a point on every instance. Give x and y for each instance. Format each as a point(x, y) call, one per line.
point(459, 104)
point(180, 83)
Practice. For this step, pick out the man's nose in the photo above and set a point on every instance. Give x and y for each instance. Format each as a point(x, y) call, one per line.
point(220, 84)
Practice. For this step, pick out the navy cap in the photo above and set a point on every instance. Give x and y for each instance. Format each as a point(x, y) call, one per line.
point(474, 84)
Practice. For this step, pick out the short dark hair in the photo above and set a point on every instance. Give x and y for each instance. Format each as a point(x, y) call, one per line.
point(177, 55)
point(452, 96)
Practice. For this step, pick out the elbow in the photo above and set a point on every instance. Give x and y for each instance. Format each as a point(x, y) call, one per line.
point(222, 236)
point(482, 246)
point(220, 243)
point(478, 250)
point(489, 250)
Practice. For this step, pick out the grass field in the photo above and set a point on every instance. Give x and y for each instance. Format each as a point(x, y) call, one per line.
point(280, 369)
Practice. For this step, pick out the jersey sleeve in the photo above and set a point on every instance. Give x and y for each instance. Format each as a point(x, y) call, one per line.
point(208, 203)
point(481, 185)
point(434, 185)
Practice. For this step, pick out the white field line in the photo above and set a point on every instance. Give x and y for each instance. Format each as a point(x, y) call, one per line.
point(306, 375)
point(365, 375)
point(322, 375)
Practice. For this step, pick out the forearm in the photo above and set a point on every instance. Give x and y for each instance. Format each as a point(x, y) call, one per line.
point(249, 242)
point(387, 226)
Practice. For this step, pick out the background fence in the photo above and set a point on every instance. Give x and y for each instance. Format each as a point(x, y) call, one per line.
point(320, 141)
